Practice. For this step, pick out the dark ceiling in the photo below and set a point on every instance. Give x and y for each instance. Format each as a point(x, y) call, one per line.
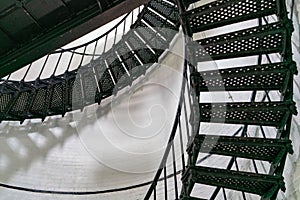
point(30, 29)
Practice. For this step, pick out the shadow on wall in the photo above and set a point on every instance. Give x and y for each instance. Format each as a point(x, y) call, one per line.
point(22, 145)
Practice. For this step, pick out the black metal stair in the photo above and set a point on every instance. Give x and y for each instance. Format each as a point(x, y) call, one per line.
point(225, 12)
point(265, 39)
point(156, 42)
point(250, 113)
point(142, 46)
point(131, 63)
point(260, 184)
point(271, 150)
point(274, 76)
point(166, 9)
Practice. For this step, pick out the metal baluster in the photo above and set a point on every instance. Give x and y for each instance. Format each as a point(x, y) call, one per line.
point(43, 66)
point(69, 65)
point(175, 172)
point(237, 169)
point(124, 28)
point(263, 132)
point(93, 67)
point(292, 9)
point(58, 61)
point(181, 147)
point(224, 194)
point(105, 43)
point(165, 183)
point(186, 121)
point(83, 54)
point(132, 18)
point(26, 73)
point(115, 37)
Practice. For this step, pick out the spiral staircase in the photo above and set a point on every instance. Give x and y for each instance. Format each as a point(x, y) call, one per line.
point(267, 39)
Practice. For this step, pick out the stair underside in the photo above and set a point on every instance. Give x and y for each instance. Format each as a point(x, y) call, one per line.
point(256, 113)
point(265, 39)
point(221, 13)
point(260, 184)
point(271, 150)
point(273, 76)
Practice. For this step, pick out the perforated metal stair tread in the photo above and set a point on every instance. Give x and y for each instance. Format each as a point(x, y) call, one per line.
point(248, 42)
point(117, 70)
point(166, 29)
point(140, 49)
point(134, 67)
point(157, 21)
point(225, 12)
point(271, 150)
point(260, 184)
point(39, 103)
point(13, 105)
point(165, 9)
point(155, 41)
point(254, 113)
point(230, 31)
point(273, 76)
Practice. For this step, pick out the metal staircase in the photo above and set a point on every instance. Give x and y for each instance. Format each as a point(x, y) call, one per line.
point(262, 39)
point(268, 40)
point(100, 78)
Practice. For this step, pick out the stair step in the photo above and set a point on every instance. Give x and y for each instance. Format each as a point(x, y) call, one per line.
point(271, 150)
point(273, 76)
point(40, 102)
point(157, 43)
point(260, 184)
point(161, 25)
point(117, 70)
point(132, 64)
point(73, 91)
point(89, 84)
point(7, 97)
point(165, 9)
point(105, 82)
point(157, 21)
point(57, 98)
point(248, 42)
point(16, 100)
point(225, 12)
point(140, 49)
point(251, 113)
